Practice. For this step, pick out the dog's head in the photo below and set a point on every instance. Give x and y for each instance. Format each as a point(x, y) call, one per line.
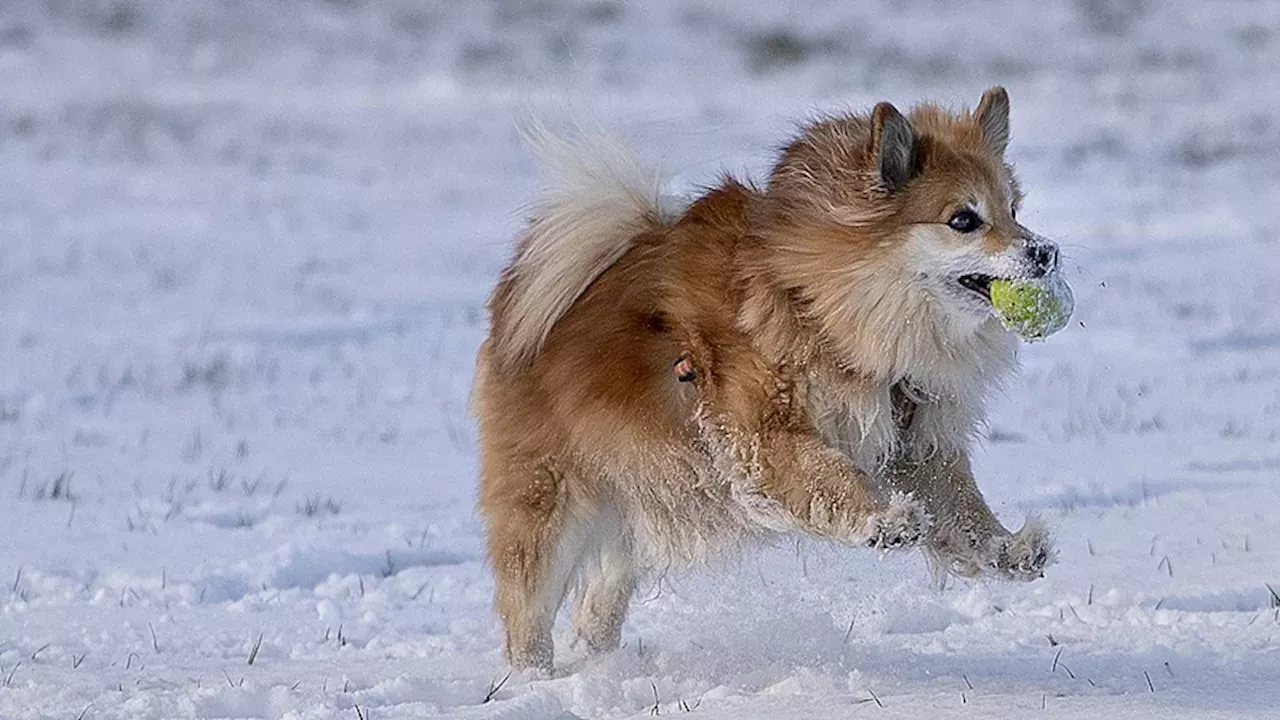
point(890, 223)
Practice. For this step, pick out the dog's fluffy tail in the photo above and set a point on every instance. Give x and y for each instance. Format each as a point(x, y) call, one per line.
point(579, 227)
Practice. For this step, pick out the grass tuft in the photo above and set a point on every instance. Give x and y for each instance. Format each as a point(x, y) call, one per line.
point(56, 488)
point(315, 506)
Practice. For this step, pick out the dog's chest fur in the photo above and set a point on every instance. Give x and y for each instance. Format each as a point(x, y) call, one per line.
point(858, 420)
point(873, 422)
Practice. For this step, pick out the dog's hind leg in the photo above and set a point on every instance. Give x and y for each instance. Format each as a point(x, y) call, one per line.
point(535, 545)
point(608, 582)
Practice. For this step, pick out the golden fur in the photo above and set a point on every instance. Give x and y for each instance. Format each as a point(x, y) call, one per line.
point(836, 372)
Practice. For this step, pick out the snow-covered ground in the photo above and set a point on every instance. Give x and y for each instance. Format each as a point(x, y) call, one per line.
point(244, 248)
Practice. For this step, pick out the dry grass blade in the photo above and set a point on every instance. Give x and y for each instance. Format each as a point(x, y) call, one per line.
point(494, 688)
point(419, 591)
point(257, 645)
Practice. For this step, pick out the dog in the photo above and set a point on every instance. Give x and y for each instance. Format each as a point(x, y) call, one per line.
point(662, 385)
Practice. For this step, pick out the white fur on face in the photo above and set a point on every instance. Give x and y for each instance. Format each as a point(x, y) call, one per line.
point(939, 256)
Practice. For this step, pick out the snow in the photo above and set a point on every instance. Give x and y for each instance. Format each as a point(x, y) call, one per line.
point(244, 249)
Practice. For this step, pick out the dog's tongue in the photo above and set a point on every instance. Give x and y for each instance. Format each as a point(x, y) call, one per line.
point(1033, 309)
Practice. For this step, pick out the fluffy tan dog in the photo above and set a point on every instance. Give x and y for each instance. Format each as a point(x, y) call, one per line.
point(662, 386)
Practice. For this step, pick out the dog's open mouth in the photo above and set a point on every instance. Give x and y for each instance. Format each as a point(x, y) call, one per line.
point(980, 284)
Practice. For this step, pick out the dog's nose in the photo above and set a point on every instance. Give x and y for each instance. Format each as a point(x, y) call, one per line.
point(1043, 256)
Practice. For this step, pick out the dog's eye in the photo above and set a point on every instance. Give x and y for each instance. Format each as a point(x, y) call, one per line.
point(1013, 212)
point(965, 221)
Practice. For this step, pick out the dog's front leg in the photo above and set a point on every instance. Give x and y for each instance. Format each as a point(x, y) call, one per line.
point(827, 496)
point(786, 478)
point(754, 424)
point(966, 538)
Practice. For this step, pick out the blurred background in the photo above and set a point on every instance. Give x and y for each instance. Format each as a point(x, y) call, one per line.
point(244, 250)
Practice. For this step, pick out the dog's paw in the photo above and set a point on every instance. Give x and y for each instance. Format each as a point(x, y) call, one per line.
point(1023, 555)
point(900, 525)
point(971, 554)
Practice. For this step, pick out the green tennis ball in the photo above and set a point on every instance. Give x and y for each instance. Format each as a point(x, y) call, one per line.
point(1033, 310)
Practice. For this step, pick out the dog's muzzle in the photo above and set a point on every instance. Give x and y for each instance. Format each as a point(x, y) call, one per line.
point(1041, 254)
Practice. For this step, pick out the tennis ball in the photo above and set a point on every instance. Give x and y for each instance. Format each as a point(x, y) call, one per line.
point(1033, 310)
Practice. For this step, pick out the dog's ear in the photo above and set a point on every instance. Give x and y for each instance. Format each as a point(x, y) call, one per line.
point(993, 117)
point(893, 145)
